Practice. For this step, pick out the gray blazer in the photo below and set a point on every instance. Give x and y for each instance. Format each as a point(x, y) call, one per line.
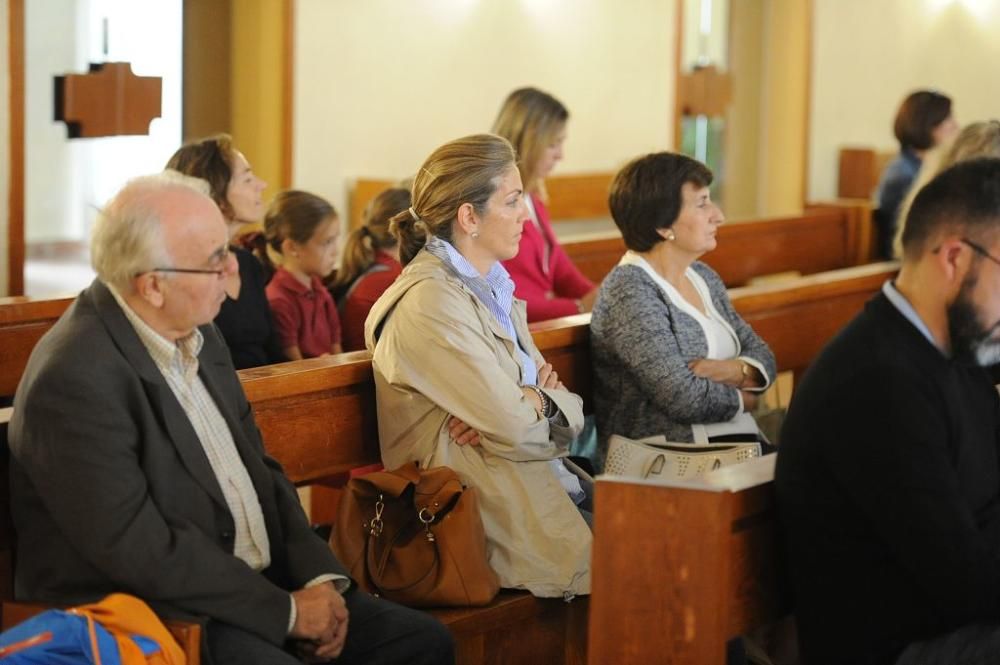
point(641, 344)
point(112, 491)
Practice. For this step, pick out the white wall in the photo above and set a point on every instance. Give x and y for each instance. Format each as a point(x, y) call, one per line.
point(869, 54)
point(379, 84)
point(66, 180)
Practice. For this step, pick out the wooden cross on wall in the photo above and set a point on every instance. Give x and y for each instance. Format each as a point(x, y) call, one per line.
point(108, 101)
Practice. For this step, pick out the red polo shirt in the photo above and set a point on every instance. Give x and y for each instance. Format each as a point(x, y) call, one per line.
point(305, 316)
point(362, 295)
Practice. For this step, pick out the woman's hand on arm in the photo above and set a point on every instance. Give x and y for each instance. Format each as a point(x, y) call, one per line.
point(461, 433)
point(548, 378)
point(726, 372)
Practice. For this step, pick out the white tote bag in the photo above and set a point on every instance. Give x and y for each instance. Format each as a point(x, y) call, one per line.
point(655, 458)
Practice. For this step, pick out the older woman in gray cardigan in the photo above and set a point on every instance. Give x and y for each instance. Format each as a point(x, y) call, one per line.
point(671, 355)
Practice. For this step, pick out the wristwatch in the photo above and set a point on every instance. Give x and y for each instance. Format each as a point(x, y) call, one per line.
point(747, 374)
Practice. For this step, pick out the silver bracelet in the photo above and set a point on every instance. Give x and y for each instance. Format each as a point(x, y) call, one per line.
point(544, 399)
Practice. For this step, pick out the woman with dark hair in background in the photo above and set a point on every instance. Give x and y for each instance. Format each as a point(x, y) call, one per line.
point(370, 263)
point(245, 318)
point(535, 124)
point(924, 120)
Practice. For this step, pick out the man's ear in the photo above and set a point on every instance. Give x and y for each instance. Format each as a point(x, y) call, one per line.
point(468, 221)
point(953, 259)
point(149, 286)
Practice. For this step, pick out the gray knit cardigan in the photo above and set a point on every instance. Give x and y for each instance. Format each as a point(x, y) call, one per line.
point(641, 344)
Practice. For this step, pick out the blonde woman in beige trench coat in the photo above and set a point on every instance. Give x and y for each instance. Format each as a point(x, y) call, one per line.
point(453, 358)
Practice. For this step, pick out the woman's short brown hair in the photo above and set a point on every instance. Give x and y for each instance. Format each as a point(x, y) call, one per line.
point(646, 195)
point(917, 117)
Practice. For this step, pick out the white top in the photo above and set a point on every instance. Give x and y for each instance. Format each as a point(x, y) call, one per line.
point(721, 339)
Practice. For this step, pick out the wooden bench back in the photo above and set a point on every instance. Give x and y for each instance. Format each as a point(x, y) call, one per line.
point(678, 599)
point(824, 237)
point(23, 321)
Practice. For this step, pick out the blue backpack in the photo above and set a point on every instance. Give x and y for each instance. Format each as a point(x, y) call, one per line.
point(59, 637)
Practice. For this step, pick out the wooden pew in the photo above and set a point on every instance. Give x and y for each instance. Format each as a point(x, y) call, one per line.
point(23, 321)
point(679, 600)
point(825, 237)
point(318, 418)
point(797, 319)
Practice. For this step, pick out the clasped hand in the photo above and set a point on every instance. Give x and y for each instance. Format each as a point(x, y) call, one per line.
point(463, 434)
point(320, 622)
point(726, 372)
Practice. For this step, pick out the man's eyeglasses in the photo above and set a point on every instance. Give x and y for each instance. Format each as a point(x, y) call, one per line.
point(219, 258)
point(981, 251)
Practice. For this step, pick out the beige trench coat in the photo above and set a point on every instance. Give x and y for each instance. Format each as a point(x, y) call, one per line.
point(438, 351)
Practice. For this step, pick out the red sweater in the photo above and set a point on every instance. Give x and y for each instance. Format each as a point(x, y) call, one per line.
point(550, 290)
point(362, 295)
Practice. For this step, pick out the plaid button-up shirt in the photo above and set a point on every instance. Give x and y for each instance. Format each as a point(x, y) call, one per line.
point(178, 362)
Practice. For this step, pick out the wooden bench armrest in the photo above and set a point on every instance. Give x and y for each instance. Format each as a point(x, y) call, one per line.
point(187, 634)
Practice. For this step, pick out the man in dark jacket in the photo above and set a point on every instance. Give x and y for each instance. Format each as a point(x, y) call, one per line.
point(137, 466)
point(888, 476)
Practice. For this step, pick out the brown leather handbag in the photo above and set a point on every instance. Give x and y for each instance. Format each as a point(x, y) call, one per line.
point(415, 537)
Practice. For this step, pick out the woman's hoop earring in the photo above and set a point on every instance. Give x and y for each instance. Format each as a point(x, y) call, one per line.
point(475, 235)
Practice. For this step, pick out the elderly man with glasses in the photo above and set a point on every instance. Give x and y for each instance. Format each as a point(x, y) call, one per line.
point(136, 465)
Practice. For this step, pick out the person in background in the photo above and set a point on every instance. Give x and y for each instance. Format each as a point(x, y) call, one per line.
point(303, 228)
point(980, 139)
point(459, 381)
point(544, 276)
point(924, 120)
point(245, 318)
point(370, 263)
point(671, 355)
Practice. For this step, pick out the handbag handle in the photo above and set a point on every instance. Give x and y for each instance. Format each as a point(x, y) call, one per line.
point(375, 568)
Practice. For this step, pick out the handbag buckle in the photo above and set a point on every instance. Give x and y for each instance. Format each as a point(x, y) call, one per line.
point(376, 525)
point(427, 517)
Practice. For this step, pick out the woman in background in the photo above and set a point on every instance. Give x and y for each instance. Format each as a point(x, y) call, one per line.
point(245, 317)
point(370, 263)
point(303, 229)
point(980, 139)
point(924, 120)
point(535, 124)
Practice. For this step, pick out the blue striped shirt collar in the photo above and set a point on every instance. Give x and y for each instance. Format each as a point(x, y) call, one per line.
point(495, 291)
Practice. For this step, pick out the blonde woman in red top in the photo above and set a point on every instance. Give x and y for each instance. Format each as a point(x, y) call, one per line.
point(535, 124)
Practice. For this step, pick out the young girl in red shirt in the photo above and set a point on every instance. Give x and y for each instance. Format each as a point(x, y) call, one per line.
point(303, 228)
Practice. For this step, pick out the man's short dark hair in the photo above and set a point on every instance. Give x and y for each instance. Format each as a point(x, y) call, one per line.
point(646, 195)
point(917, 117)
point(964, 198)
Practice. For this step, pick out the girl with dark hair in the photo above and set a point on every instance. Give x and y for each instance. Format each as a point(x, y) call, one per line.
point(302, 229)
